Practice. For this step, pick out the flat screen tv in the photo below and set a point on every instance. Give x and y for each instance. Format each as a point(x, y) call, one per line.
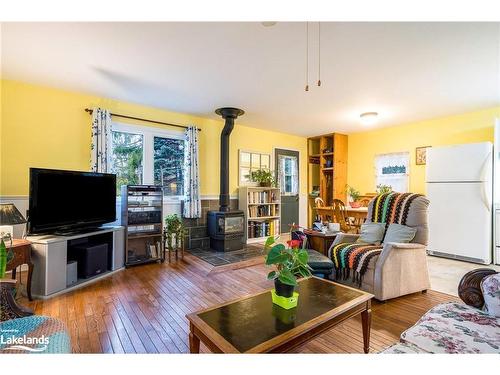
point(65, 201)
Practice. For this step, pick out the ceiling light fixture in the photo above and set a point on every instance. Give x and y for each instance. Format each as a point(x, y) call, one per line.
point(307, 56)
point(319, 54)
point(268, 23)
point(369, 118)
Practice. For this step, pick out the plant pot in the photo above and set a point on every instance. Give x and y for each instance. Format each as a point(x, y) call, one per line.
point(265, 184)
point(355, 204)
point(283, 290)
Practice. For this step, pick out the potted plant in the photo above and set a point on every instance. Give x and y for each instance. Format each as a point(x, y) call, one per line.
point(384, 189)
point(290, 263)
point(354, 196)
point(5, 254)
point(263, 176)
point(174, 232)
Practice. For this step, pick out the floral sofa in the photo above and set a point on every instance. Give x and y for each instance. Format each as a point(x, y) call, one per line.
point(457, 327)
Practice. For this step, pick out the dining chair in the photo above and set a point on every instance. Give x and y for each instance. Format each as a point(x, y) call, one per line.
point(319, 203)
point(340, 215)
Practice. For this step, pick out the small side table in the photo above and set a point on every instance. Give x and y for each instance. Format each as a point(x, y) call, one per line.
point(319, 241)
point(22, 255)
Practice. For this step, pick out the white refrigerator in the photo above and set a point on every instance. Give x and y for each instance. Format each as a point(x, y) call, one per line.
point(459, 181)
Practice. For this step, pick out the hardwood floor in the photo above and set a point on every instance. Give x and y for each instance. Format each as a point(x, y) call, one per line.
point(142, 310)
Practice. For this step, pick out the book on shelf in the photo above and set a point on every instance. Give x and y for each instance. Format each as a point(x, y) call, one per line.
point(261, 211)
point(262, 197)
point(258, 229)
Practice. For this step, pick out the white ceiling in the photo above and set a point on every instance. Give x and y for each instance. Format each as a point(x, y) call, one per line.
point(404, 71)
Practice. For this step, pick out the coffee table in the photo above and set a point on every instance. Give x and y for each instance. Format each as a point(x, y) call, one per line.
point(253, 324)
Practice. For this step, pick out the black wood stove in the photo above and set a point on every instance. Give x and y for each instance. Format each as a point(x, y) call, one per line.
point(226, 227)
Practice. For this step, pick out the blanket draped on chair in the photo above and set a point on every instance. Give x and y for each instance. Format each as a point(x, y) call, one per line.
point(353, 258)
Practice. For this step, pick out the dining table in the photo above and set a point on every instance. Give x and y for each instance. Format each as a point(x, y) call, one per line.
point(359, 213)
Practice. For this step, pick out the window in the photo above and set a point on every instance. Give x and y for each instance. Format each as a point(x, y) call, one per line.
point(128, 149)
point(288, 175)
point(169, 165)
point(252, 161)
point(393, 170)
point(147, 155)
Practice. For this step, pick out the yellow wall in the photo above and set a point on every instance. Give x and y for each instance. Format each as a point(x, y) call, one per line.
point(466, 128)
point(46, 127)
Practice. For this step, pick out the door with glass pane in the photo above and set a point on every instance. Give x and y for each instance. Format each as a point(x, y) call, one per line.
point(287, 174)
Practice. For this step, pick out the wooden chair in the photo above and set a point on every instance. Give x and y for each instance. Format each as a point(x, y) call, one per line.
point(357, 222)
point(340, 215)
point(318, 203)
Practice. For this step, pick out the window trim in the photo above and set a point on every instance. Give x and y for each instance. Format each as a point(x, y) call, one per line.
point(240, 175)
point(396, 176)
point(148, 133)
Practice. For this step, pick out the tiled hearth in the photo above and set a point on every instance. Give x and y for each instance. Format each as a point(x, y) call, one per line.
point(228, 257)
point(197, 236)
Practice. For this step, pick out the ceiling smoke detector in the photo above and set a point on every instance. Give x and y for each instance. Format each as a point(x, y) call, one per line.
point(369, 118)
point(269, 23)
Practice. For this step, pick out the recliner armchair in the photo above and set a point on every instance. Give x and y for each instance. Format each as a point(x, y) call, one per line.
point(401, 268)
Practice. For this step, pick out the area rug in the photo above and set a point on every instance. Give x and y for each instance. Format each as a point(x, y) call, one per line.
point(224, 258)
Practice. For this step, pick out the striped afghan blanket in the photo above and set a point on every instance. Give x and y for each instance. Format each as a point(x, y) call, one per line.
point(352, 259)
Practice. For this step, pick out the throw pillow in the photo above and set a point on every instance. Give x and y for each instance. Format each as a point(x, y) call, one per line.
point(490, 286)
point(371, 233)
point(399, 233)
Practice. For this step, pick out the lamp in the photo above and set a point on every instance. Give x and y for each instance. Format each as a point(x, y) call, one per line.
point(9, 216)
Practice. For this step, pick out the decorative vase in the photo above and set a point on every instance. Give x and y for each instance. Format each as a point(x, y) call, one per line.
point(355, 204)
point(285, 302)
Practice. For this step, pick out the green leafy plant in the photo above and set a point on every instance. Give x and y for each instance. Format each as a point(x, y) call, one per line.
point(290, 263)
point(6, 255)
point(262, 176)
point(353, 193)
point(173, 223)
point(384, 189)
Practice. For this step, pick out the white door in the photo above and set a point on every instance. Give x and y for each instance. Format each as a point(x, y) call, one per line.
point(467, 162)
point(460, 220)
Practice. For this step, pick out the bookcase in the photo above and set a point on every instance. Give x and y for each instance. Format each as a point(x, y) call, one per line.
point(262, 208)
point(327, 169)
point(141, 207)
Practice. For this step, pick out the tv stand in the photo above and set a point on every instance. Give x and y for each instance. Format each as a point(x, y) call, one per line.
point(50, 256)
point(72, 232)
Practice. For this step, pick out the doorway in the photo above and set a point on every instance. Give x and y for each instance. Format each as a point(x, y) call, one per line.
point(287, 177)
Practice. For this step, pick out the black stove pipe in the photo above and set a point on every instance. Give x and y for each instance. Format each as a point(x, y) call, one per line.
point(228, 114)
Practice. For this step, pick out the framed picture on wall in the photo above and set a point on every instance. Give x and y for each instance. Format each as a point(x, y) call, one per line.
point(421, 155)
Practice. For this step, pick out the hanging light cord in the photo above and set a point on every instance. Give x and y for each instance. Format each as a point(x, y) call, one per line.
point(307, 56)
point(319, 53)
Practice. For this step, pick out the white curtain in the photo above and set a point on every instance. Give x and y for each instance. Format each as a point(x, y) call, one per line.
point(192, 204)
point(101, 141)
point(393, 170)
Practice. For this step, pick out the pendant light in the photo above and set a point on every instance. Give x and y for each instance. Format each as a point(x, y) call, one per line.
point(319, 54)
point(307, 56)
